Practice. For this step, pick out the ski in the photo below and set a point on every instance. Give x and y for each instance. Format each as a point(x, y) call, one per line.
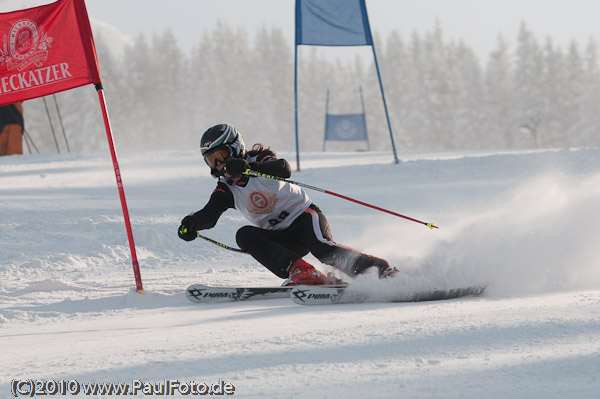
point(206, 294)
point(199, 293)
point(319, 295)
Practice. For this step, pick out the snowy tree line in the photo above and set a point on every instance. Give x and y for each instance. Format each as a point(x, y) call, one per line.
point(440, 94)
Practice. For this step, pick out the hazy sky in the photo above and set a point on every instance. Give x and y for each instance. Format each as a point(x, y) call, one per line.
point(477, 22)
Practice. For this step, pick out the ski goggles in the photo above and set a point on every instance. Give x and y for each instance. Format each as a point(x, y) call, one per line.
point(218, 155)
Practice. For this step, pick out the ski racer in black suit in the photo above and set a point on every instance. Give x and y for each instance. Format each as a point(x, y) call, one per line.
point(286, 224)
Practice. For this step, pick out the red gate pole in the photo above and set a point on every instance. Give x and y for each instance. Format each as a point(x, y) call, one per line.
point(111, 143)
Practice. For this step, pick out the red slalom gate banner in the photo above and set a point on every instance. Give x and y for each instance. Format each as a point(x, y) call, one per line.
point(45, 50)
point(48, 49)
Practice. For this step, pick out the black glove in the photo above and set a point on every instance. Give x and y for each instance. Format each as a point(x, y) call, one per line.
point(187, 230)
point(235, 167)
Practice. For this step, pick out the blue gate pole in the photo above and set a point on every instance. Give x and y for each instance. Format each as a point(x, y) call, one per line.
point(385, 105)
point(296, 106)
point(326, 119)
point(362, 103)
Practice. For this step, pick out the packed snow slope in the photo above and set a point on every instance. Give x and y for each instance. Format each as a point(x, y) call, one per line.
point(525, 223)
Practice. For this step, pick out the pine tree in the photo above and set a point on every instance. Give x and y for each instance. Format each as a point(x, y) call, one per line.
point(440, 92)
point(139, 129)
point(573, 123)
point(469, 97)
point(398, 77)
point(528, 94)
point(497, 106)
point(271, 78)
point(590, 97)
point(166, 105)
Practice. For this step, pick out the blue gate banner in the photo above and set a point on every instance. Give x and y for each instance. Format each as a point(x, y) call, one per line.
point(332, 23)
point(347, 127)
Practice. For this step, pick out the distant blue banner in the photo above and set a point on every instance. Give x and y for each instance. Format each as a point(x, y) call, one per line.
point(332, 23)
point(348, 127)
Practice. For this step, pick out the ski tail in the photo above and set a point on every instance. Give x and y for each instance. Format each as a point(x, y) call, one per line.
point(318, 295)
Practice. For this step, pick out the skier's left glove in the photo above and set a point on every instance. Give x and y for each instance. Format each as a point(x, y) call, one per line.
point(235, 167)
point(187, 230)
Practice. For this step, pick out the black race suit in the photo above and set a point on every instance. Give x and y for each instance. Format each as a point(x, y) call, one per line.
point(277, 245)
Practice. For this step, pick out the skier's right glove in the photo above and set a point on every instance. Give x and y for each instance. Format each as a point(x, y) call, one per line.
point(187, 230)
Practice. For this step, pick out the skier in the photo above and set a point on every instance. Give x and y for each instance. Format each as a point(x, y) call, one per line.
point(288, 225)
point(11, 129)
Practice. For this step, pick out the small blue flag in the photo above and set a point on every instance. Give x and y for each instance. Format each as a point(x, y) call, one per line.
point(332, 23)
point(347, 127)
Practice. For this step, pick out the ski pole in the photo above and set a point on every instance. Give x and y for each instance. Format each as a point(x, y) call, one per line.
point(225, 246)
point(28, 140)
point(183, 230)
point(254, 173)
point(51, 127)
point(61, 123)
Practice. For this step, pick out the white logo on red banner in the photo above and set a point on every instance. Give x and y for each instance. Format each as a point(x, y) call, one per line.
point(25, 45)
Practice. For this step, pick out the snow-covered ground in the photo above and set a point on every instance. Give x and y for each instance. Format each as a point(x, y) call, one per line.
point(526, 223)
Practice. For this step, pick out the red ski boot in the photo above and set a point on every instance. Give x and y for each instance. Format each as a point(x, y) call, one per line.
point(389, 272)
point(303, 273)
